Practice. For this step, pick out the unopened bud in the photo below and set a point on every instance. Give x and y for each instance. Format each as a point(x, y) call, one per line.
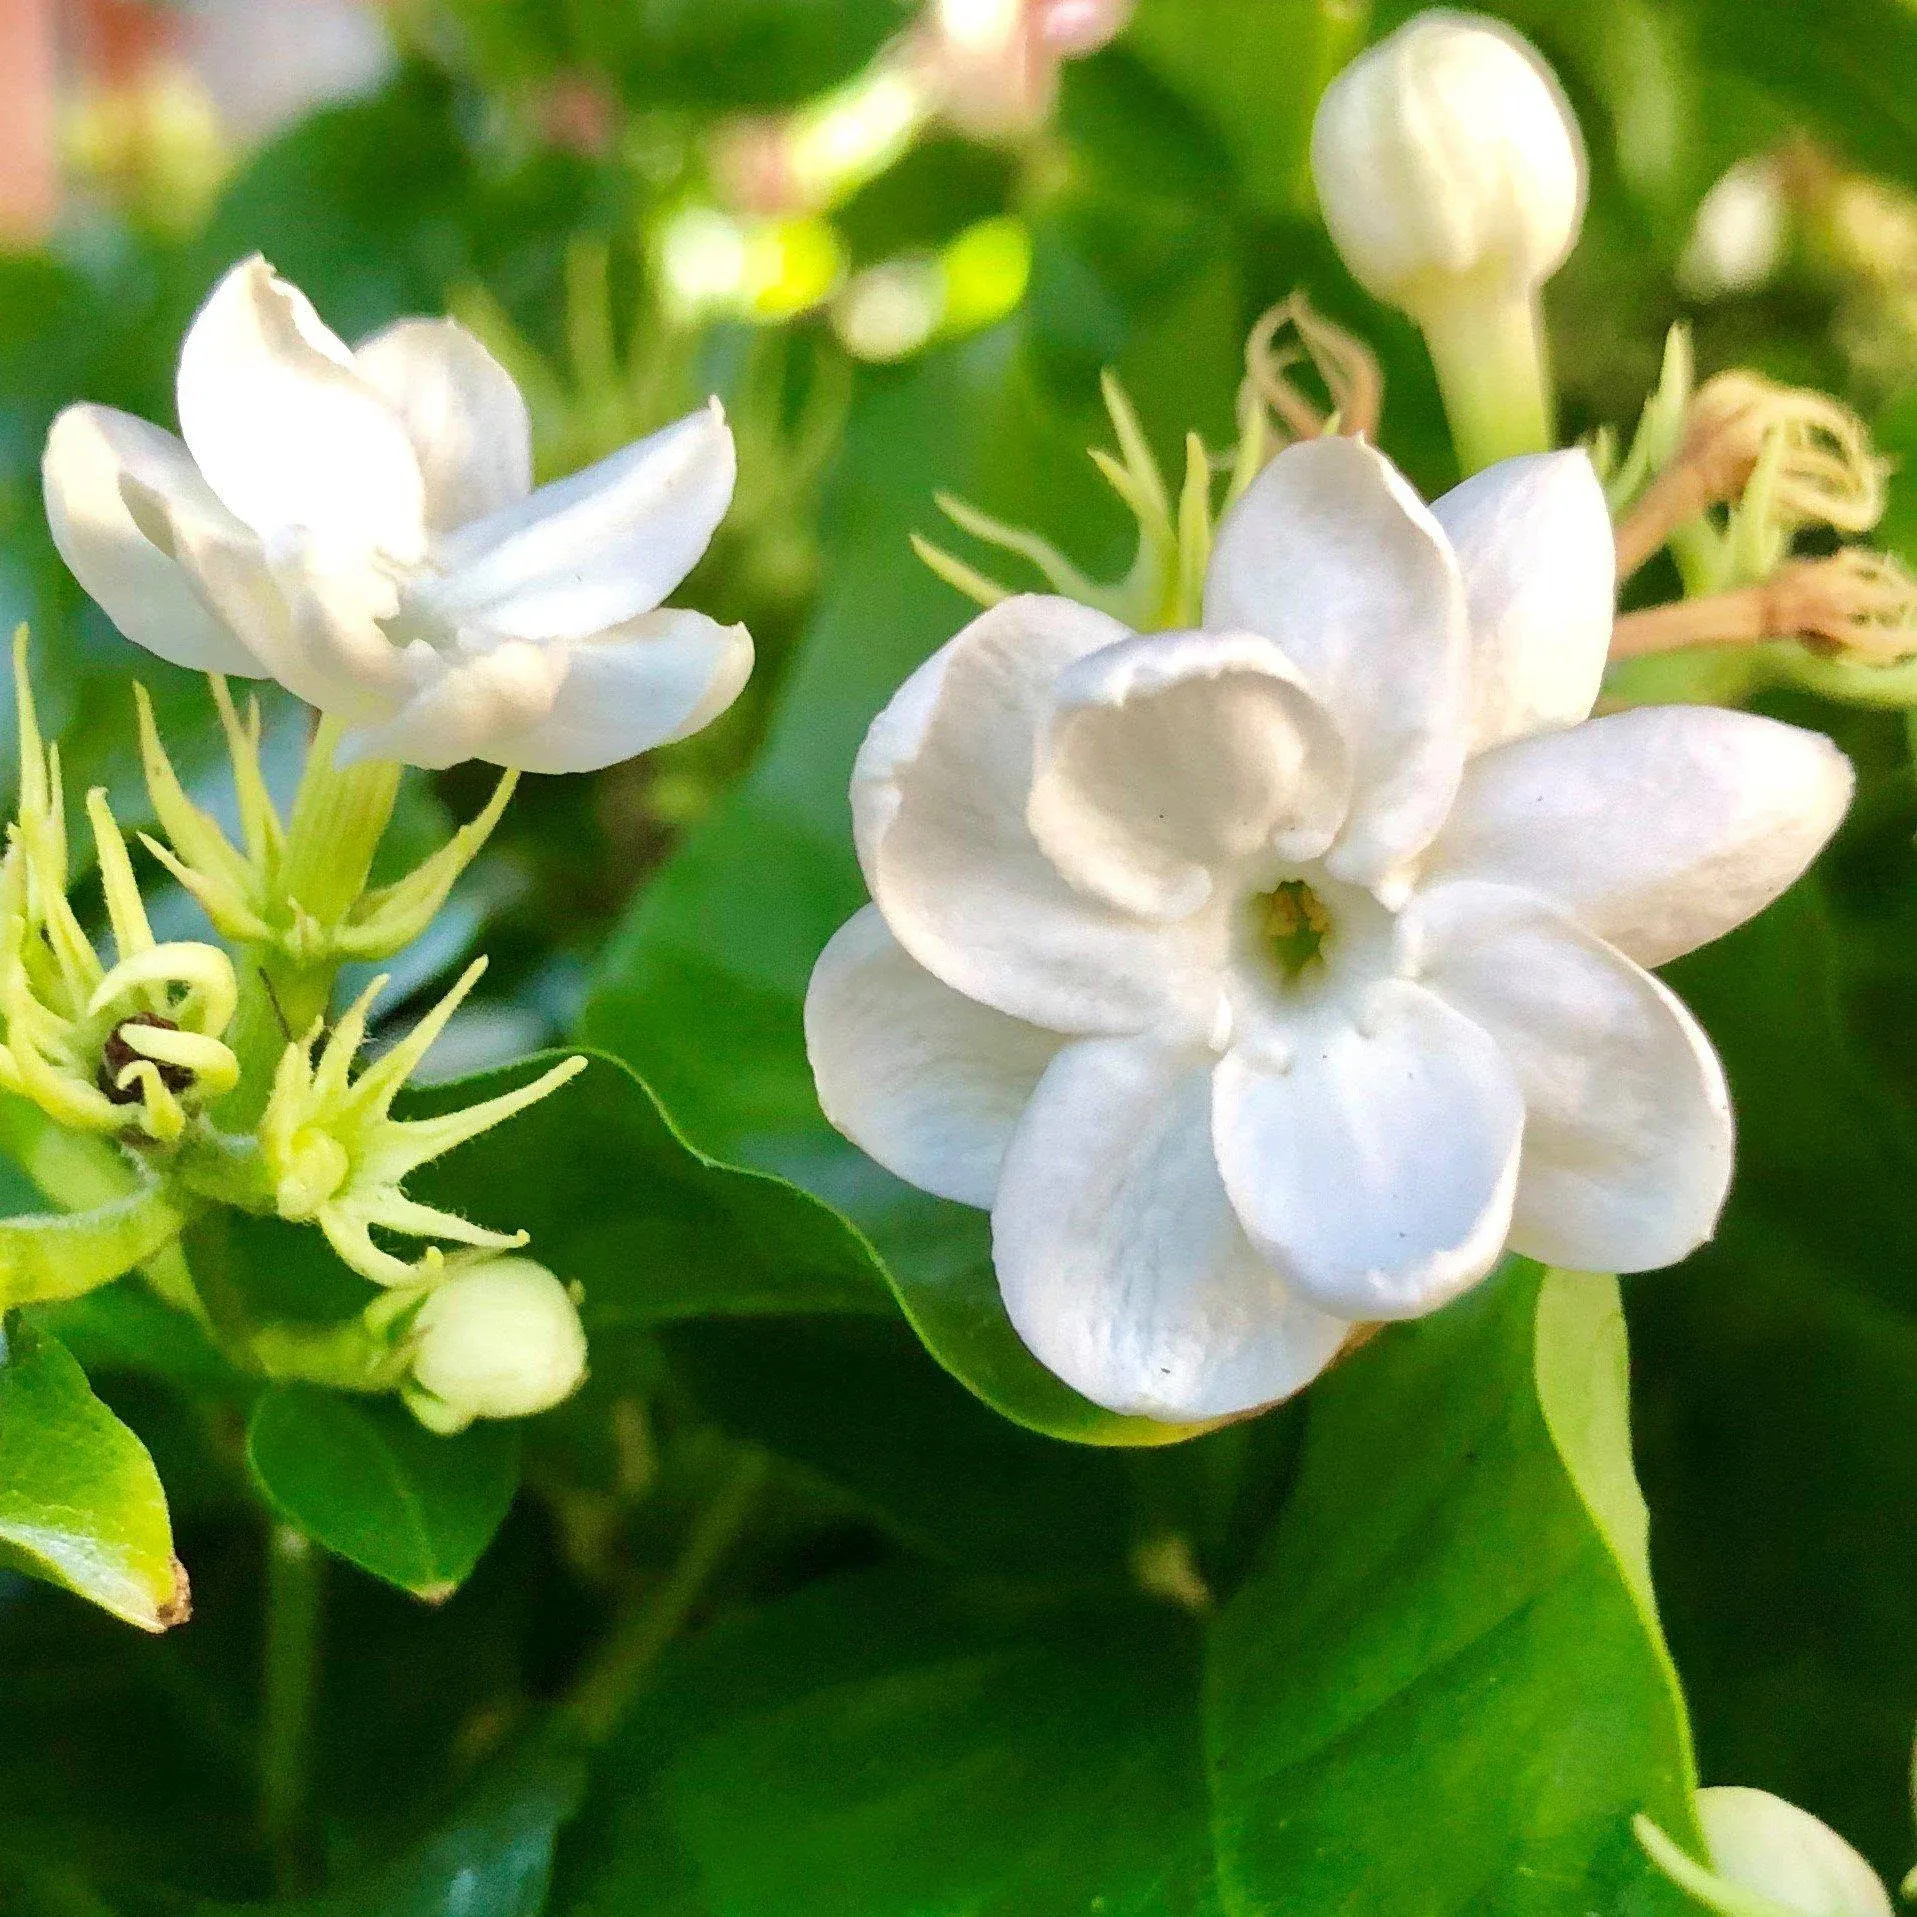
point(1448, 153)
point(1451, 173)
point(497, 1340)
point(1762, 1844)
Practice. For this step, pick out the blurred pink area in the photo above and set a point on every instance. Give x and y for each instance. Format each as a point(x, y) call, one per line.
point(29, 166)
point(258, 64)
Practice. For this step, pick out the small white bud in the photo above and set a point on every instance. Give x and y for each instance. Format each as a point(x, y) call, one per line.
point(1451, 175)
point(1448, 153)
point(1760, 1843)
point(502, 1340)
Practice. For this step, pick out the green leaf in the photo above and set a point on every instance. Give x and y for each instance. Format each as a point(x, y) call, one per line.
point(914, 1748)
point(491, 1858)
point(615, 1198)
point(1441, 1584)
point(80, 1503)
point(1439, 1692)
point(363, 1478)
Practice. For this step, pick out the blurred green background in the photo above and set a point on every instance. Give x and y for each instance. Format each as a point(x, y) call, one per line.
point(625, 198)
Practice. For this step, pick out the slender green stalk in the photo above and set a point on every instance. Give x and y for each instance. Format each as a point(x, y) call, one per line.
point(641, 1637)
point(1488, 349)
point(294, 1594)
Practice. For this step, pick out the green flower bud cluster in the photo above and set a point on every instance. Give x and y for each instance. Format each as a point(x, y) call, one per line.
point(146, 1088)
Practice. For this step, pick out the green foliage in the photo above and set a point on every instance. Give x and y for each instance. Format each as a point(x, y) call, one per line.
point(80, 1502)
point(1457, 1574)
point(365, 1480)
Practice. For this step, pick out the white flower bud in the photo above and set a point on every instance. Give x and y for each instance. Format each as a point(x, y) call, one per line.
point(1451, 174)
point(502, 1340)
point(1760, 1843)
point(1445, 153)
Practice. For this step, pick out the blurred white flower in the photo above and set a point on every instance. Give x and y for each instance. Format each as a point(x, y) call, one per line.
point(1275, 976)
point(360, 526)
point(1737, 242)
point(500, 1339)
point(1760, 1843)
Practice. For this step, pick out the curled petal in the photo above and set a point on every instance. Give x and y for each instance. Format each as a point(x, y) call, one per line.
point(1658, 829)
point(1167, 759)
point(1533, 537)
point(597, 548)
point(286, 430)
point(660, 677)
point(204, 970)
point(1333, 556)
point(1627, 1130)
point(467, 420)
point(939, 798)
point(922, 1080)
point(1120, 1259)
point(1377, 1174)
point(96, 460)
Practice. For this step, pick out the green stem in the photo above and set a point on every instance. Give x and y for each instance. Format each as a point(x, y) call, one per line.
point(1487, 345)
point(641, 1637)
point(294, 1593)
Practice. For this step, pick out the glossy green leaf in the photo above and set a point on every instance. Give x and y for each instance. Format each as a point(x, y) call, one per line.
point(362, 1477)
point(1440, 1691)
point(615, 1199)
point(80, 1503)
point(1459, 1574)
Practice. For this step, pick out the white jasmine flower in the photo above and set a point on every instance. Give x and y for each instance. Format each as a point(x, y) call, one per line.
point(1271, 977)
point(361, 526)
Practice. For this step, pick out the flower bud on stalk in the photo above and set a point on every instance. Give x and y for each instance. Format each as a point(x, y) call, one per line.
point(499, 1340)
point(1452, 178)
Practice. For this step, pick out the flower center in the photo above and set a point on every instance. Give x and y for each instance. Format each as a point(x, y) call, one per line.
point(1292, 925)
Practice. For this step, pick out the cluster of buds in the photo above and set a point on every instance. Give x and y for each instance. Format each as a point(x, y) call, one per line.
point(176, 1089)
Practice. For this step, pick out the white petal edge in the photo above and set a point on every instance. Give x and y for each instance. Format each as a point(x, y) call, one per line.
point(286, 431)
point(1765, 1845)
point(939, 795)
point(594, 549)
point(1628, 1140)
point(1332, 555)
point(93, 456)
point(1658, 829)
point(1168, 759)
point(1377, 1174)
point(1119, 1258)
point(466, 418)
point(925, 1082)
point(1534, 541)
point(565, 708)
point(660, 677)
